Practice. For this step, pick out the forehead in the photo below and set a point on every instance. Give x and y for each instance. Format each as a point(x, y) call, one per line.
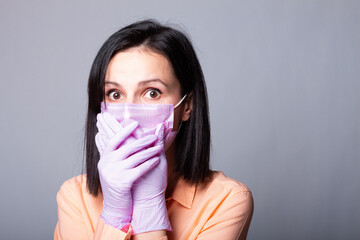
point(137, 64)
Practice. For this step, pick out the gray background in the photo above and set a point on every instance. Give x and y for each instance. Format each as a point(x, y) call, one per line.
point(283, 80)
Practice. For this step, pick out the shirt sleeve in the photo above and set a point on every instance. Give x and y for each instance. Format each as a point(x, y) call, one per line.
point(231, 220)
point(74, 223)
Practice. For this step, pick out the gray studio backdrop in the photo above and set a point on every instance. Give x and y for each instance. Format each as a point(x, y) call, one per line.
point(284, 89)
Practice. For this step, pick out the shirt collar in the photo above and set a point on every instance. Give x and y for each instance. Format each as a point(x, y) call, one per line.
point(183, 193)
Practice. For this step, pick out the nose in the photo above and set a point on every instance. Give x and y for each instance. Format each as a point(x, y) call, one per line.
point(132, 99)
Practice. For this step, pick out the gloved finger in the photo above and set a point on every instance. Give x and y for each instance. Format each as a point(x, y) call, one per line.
point(112, 122)
point(99, 143)
point(140, 157)
point(126, 122)
point(103, 126)
point(160, 131)
point(127, 149)
point(143, 168)
point(119, 137)
point(100, 124)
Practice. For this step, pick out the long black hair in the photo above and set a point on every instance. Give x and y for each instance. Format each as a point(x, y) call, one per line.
point(193, 140)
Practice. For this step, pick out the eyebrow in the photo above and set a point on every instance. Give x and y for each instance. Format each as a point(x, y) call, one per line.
point(153, 80)
point(113, 83)
point(140, 83)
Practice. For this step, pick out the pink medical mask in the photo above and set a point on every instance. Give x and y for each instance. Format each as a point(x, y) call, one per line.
point(151, 117)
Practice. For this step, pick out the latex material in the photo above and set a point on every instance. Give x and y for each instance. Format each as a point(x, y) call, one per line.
point(150, 212)
point(149, 208)
point(122, 162)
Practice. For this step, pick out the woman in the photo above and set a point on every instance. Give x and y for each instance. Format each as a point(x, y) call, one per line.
point(147, 148)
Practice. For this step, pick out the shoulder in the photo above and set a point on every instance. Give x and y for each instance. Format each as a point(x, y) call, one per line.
point(229, 205)
point(220, 184)
point(227, 193)
point(75, 203)
point(219, 179)
point(73, 184)
point(72, 189)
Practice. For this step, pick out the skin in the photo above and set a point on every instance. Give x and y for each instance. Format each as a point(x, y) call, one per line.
point(139, 75)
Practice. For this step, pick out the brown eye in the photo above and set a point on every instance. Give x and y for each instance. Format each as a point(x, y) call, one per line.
point(115, 95)
point(153, 94)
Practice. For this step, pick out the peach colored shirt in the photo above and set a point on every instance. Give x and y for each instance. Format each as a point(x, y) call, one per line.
point(221, 209)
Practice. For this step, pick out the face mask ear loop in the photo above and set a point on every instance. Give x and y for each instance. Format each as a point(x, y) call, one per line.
point(180, 101)
point(180, 126)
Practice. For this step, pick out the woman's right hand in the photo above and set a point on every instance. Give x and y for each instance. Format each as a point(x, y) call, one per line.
point(121, 163)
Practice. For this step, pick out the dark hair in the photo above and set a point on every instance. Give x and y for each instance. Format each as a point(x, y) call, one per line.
point(193, 140)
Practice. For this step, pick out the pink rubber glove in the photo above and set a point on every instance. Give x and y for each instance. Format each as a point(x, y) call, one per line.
point(149, 213)
point(119, 167)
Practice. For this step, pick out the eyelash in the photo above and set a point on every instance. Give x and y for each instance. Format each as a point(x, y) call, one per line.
point(110, 91)
point(154, 89)
point(147, 90)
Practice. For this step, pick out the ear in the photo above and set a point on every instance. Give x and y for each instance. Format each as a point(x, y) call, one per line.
point(188, 106)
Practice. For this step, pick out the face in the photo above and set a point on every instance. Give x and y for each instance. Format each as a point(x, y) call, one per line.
point(139, 75)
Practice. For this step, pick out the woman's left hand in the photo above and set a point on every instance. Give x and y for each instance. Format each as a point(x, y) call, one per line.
point(150, 212)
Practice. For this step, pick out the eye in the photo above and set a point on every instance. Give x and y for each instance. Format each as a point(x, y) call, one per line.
point(153, 94)
point(114, 95)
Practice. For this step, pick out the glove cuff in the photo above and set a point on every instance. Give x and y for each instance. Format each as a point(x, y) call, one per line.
point(152, 217)
point(119, 222)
